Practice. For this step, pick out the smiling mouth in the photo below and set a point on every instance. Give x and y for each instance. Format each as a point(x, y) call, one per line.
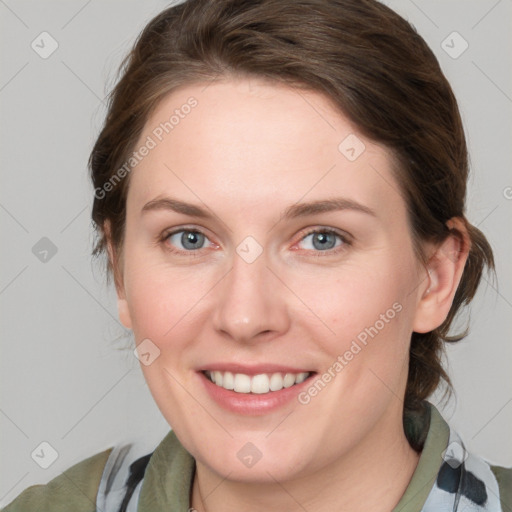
point(256, 384)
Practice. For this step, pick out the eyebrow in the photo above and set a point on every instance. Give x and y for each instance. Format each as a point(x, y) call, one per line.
point(292, 212)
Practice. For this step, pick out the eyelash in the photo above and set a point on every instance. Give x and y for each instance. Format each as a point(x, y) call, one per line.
point(330, 252)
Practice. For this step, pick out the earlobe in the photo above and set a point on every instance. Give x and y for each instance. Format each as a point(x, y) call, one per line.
point(443, 274)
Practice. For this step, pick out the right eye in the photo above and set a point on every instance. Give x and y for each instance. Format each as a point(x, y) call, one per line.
point(191, 241)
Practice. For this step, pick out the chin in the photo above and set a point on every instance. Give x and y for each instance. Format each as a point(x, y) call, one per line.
point(258, 462)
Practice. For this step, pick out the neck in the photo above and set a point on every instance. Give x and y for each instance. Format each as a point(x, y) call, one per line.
point(373, 476)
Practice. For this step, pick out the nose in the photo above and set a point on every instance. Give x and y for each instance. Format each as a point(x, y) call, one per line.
point(250, 305)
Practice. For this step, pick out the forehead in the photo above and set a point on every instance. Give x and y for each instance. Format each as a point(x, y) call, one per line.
point(253, 144)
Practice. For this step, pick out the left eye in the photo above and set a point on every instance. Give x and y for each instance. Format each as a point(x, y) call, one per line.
point(323, 240)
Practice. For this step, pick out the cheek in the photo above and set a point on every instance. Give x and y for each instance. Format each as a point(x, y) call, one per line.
point(365, 311)
point(164, 307)
point(167, 303)
point(160, 302)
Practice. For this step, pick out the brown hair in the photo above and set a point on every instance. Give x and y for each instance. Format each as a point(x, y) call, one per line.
point(368, 60)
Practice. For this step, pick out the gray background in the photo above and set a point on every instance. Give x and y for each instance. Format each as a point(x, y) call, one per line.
point(64, 378)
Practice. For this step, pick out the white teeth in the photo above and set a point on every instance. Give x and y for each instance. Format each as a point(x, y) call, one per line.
point(242, 383)
point(217, 377)
point(289, 380)
point(301, 377)
point(228, 381)
point(258, 384)
point(276, 382)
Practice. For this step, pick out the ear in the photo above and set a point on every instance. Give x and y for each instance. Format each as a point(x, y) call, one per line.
point(443, 274)
point(116, 265)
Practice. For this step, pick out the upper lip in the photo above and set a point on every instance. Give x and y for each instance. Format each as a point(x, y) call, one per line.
point(252, 369)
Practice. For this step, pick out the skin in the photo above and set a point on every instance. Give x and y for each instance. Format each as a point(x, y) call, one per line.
point(248, 150)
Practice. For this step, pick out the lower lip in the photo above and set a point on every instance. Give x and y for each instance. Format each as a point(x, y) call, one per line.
point(252, 403)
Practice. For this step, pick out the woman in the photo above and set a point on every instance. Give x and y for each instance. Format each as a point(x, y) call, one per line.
point(280, 189)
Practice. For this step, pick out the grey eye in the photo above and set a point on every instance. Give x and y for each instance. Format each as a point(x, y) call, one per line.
point(189, 240)
point(322, 240)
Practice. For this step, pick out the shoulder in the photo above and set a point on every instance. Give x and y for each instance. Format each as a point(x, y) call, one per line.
point(504, 478)
point(474, 480)
point(106, 481)
point(464, 481)
point(77, 487)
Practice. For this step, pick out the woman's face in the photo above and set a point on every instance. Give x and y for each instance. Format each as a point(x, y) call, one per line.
point(222, 272)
